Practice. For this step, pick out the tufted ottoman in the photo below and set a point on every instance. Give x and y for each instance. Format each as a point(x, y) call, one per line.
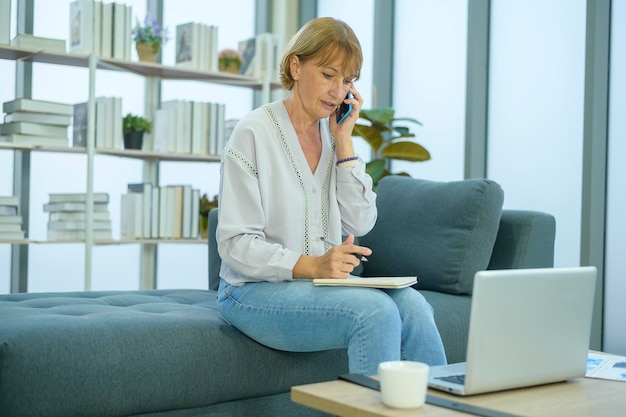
point(157, 352)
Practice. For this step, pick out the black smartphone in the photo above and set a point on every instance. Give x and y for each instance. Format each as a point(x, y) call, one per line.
point(343, 110)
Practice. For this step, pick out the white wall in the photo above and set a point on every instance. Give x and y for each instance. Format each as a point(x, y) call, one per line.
point(429, 83)
point(535, 114)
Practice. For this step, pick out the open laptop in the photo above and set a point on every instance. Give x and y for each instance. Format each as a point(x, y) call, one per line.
point(527, 327)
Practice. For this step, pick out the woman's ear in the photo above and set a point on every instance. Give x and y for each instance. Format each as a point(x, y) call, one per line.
point(294, 67)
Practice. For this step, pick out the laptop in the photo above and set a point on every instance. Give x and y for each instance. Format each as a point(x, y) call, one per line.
point(527, 327)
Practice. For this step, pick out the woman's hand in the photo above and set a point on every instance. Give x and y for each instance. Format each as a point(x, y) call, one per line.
point(338, 262)
point(343, 132)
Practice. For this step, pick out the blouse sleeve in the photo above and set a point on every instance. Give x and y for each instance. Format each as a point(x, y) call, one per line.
point(357, 200)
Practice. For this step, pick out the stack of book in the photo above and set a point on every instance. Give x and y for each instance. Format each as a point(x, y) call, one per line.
point(101, 28)
point(188, 127)
point(10, 219)
point(169, 212)
point(109, 129)
point(36, 122)
point(261, 55)
point(67, 216)
point(29, 41)
point(196, 46)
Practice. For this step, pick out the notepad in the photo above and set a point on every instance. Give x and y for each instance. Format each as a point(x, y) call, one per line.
point(373, 282)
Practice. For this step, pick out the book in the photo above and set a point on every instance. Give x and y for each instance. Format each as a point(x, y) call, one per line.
point(119, 33)
point(79, 130)
point(77, 197)
point(77, 234)
point(52, 207)
point(106, 35)
point(78, 216)
point(9, 200)
point(221, 119)
point(35, 140)
point(78, 225)
point(247, 48)
point(5, 21)
point(42, 118)
point(12, 235)
point(145, 189)
point(26, 40)
point(10, 227)
point(8, 210)
point(117, 133)
point(154, 215)
point(41, 106)
point(195, 213)
point(81, 27)
point(372, 282)
point(187, 214)
point(188, 45)
point(36, 129)
point(96, 29)
point(131, 216)
point(11, 218)
point(128, 32)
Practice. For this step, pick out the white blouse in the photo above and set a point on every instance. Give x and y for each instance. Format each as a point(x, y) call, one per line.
point(273, 208)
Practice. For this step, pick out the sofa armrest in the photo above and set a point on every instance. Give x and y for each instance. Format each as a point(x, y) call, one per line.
point(525, 240)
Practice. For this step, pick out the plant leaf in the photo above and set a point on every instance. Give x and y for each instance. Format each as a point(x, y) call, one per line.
point(408, 119)
point(382, 115)
point(375, 169)
point(406, 151)
point(371, 134)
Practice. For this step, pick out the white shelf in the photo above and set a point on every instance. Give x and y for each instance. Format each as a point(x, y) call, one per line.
point(145, 69)
point(153, 72)
point(101, 242)
point(126, 153)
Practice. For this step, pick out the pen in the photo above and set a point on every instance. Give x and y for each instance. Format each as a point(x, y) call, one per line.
point(331, 243)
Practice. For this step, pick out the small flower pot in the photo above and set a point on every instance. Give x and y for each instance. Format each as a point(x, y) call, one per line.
point(147, 52)
point(133, 140)
point(229, 65)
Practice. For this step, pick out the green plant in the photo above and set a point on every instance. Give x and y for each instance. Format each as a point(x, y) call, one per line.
point(386, 139)
point(150, 32)
point(133, 123)
point(207, 205)
point(228, 56)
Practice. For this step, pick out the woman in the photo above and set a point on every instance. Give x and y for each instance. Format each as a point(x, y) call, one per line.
point(289, 175)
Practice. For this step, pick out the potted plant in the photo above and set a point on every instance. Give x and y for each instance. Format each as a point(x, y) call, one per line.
point(230, 60)
point(206, 205)
point(387, 140)
point(134, 129)
point(148, 38)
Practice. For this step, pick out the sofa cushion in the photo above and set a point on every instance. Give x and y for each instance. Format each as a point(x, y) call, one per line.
point(117, 353)
point(443, 232)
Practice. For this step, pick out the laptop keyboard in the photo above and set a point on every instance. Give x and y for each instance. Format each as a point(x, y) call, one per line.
point(455, 379)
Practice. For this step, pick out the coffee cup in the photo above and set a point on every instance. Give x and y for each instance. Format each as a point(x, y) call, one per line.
point(403, 384)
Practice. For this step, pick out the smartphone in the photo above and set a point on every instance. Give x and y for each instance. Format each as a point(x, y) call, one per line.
point(343, 110)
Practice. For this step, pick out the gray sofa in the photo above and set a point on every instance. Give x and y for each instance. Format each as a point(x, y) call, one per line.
point(168, 353)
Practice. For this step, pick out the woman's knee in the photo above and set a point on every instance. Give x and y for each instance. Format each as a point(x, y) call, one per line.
point(377, 308)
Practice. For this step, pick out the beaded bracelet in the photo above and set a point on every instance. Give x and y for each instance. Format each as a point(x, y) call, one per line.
point(352, 158)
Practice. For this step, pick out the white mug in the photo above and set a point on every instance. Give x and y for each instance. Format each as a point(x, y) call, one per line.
point(403, 384)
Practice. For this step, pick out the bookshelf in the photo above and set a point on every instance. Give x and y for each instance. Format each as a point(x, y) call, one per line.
point(153, 74)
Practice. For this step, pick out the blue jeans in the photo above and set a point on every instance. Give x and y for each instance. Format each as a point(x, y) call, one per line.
point(374, 325)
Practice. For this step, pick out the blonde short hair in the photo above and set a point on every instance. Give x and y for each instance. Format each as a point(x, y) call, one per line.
point(323, 39)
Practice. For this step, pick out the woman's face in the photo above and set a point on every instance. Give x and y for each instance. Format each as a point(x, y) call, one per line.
point(320, 88)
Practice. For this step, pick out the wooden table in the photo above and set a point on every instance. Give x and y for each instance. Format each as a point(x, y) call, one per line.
point(580, 397)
